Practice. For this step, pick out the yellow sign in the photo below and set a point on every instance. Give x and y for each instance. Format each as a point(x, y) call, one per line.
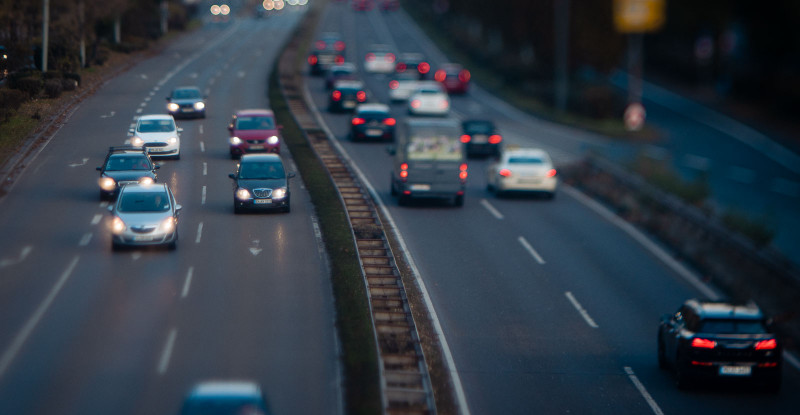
point(638, 16)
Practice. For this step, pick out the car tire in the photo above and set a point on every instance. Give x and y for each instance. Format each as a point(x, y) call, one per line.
point(772, 385)
point(173, 245)
point(551, 195)
point(404, 200)
point(458, 201)
point(682, 379)
point(116, 247)
point(287, 209)
point(236, 209)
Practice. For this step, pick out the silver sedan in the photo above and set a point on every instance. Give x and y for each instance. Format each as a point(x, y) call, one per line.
point(144, 214)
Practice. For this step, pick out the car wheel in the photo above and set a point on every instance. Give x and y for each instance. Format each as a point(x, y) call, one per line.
point(459, 200)
point(662, 357)
point(682, 379)
point(287, 208)
point(177, 156)
point(173, 245)
point(237, 208)
point(393, 191)
point(489, 187)
point(551, 195)
point(403, 200)
point(116, 247)
point(773, 384)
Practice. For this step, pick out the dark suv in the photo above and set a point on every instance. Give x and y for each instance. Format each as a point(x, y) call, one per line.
point(481, 138)
point(124, 165)
point(261, 183)
point(719, 340)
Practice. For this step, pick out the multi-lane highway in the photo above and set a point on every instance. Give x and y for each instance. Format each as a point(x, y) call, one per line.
point(84, 330)
point(547, 306)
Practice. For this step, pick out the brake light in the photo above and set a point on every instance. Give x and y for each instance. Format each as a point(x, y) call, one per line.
point(370, 57)
point(504, 172)
point(312, 60)
point(404, 170)
point(390, 121)
point(696, 363)
point(358, 121)
point(339, 46)
point(336, 95)
point(339, 59)
point(400, 67)
point(464, 76)
point(416, 103)
point(440, 75)
point(390, 57)
point(703, 343)
point(321, 44)
point(394, 84)
point(465, 138)
point(423, 67)
point(767, 344)
point(444, 104)
point(463, 173)
point(495, 139)
point(551, 173)
point(404, 166)
point(361, 96)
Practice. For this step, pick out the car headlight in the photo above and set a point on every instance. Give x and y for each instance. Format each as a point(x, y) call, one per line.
point(137, 141)
point(173, 106)
point(236, 141)
point(172, 140)
point(272, 140)
point(279, 193)
point(199, 105)
point(106, 183)
point(242, 194)
point(146, 181)
point(117, 225)
point(167, 225)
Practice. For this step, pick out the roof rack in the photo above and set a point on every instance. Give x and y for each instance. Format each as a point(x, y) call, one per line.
point(125, 148)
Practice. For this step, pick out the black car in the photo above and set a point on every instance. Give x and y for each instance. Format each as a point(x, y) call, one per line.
point(413, 63)
point(338, 72)
point(481, 138)
point(328, 50)
point(186, 101)
point(261, 183)
point(346, 95)
point(372, 122)
point(124, 165)
point(719, 340)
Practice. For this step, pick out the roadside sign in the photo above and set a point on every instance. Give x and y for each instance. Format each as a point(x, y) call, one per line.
point(634, 116)
point(639, 16)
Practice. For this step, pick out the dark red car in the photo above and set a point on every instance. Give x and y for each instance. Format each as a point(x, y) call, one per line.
point(254, 130)
point(362, 5)
point(454, 78)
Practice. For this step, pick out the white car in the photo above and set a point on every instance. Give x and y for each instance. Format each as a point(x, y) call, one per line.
point(380, 59)
point(402, 85)
point(159, 134)
point(429, 98)
point(523, 170)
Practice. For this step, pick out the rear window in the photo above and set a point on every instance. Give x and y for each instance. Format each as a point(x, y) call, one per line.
point(729, 326)
point(525, 160)
point(186, 93)
point(255, 123)
point(478, 128)
point(434, 144)
point(144, 202)
point(373, 115)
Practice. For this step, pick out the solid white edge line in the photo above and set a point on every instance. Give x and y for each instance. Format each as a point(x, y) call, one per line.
point(525, 244)
point(582, 311)
point(199, 233)
point(187, 283)
point(792, 359)
point(646, 395)
point(163, 363)
point(33, 321)
point(496, 213)
point(451, 365)
point(643, 240)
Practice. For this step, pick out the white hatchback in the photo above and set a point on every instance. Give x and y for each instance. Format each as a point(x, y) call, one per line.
point(159, 134)
point(523, 170)
point(429, 98)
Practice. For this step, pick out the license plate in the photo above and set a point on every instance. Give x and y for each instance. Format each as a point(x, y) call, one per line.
point(348, 104)
point(420, 187)
point(480, 139)
point(735, 370)
point(156, 149)
point(187, 110)
point(256, 147)
point(262, 201)
point(143, 238)
point(374, 132)
point(530, 181)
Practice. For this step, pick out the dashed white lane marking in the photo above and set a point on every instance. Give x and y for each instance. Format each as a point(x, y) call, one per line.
point(143, 104)
point(187, 283)
point(146, 99)
point(87, 237)
point(496, 213)
point(201, 129)
point(529, 248)
point(650, 401)
point(199, 233)
point(203, 197)
point(205, 168)
point(163, 363)
point(240, 74)
point(24, 254)
point(202, 147)
point(33, 321)
point(138, 110)
point(97, 218)
point(581, 310)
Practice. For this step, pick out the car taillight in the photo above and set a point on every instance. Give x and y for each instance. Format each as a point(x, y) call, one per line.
point(415, 103)
point(551, 173)
point(339, 59)
point(336, 95)
point(390, 57)
point(312, 60)
point(504, 172)
point(390, 121)
point(444, 104)
point(464, 76)
point(495, 139)
point(703, 343)
point(404, 170)
point(370, 57)
point(465, 138)
point(462, 174)
point(320, 44)
point(394, 84)
point(400, 67)
point(423, 67)
point(767, 344)
point(440, 75)
point(339, 46)
point(358, 121)
point(361, 96)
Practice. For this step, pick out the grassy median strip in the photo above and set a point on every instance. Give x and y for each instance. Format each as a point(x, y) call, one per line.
point(353, 319)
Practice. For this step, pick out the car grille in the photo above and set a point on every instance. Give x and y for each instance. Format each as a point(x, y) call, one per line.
point(262, 192)
point(143, 229)
point(256, 141)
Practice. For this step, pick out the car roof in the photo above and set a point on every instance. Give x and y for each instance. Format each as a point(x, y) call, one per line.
point(254, 112)
point(226, 389)
point(432, 122)
point(127, 150)
point(376, 107)
point(194, 88)
point(344, 65)
point(538, 152)
point(156, 117)
point(348, 83)
point(143, 188)
point(411, 56)
point(260, 158)
point(725, 310)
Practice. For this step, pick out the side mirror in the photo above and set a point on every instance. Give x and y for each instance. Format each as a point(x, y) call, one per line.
point(178, 208)
point(290, 175)
point(169, 99)
point(156, 167)
point(230, 127)
point(391, 150)
point(180, 129)
point(232, 176)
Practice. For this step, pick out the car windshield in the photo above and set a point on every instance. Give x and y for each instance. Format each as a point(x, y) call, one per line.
point(156, 126)
point(525, 160)
point(261, 170)
point(143, 202)
point(117, 163)
point(255, 123)
point(478, 128)
point(373, 115)
point(186, 93)
point(223, 406)
point(434, 144)
point(728, 326)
